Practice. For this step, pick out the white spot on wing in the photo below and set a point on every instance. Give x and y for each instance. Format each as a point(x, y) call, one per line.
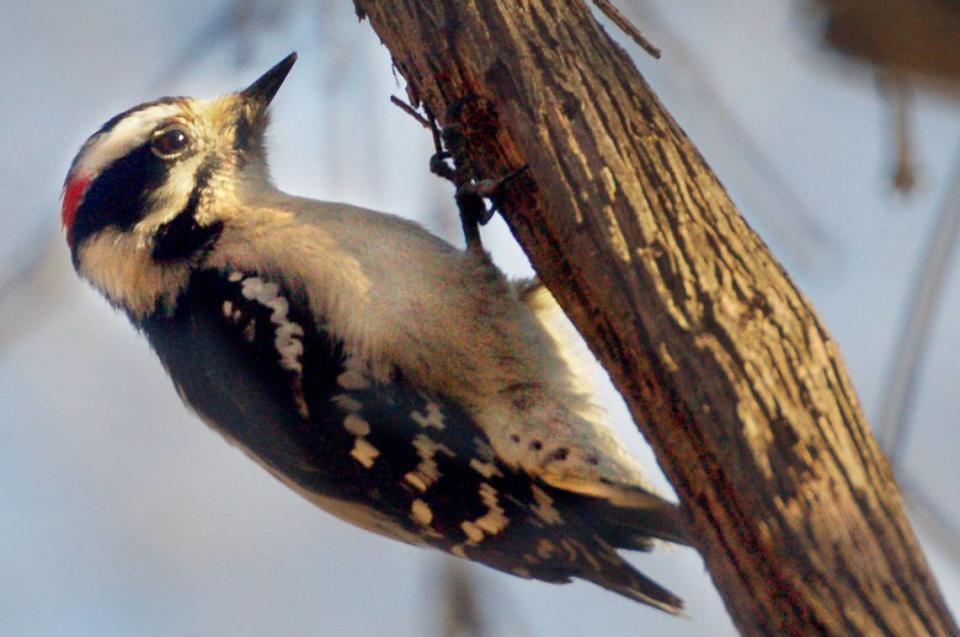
point(364, 453)
point(427, 471)
point(352, 380)
point(347, 403)
point(544, 507)
point(356, 425)
point(486, 469)
point(417, 481)
point(545, 548)
point(287, 333)
point(354, 375)
point(494, 520)
point(472, 531)
point(421, 513)
point(433, 417)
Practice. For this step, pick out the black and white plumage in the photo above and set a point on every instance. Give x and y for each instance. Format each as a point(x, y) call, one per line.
point(401, 384)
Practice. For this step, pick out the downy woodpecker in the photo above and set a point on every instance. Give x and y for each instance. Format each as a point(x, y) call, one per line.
point(395, 381)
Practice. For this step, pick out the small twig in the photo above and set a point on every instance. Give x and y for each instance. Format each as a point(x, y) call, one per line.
point(437, 162)
point(412, 112)
point(463, 616)
point(893, 419)
point(624, 24)
point(896, 86)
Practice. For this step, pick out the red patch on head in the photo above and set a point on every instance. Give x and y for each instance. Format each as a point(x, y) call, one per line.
point(72, 196)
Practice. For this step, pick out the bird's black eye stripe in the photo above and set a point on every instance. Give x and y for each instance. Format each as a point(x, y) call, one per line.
point(183, 237)
point(116, 197)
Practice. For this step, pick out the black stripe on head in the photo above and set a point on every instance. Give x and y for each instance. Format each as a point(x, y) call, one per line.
point(111, 123)
point(183, 237)
point(117, 197)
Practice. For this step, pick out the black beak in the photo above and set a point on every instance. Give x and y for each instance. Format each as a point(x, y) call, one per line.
point(261, 92)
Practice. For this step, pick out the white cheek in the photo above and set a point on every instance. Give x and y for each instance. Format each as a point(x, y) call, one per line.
point(126, 273)
point(171, 197)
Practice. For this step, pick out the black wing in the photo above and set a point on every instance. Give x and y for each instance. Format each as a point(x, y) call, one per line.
point(248, 356)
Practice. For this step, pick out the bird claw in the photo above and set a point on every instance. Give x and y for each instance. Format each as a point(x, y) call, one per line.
point(471, 200)
point(440, 167)
point(448, 162)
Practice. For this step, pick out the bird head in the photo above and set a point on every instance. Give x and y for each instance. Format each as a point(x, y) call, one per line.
point(148, 165)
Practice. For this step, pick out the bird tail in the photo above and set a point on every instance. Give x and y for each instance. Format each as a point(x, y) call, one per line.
point(625, 580)
point(632, 523)
point(618, 526)
point(587, 556)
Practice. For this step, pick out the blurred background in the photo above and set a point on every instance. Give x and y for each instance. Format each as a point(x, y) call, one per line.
point(122, 514)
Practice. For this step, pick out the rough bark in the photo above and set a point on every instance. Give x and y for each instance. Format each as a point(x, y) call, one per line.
point(725, 366)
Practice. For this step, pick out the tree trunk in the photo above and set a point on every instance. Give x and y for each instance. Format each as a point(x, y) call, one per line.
point(723, 363)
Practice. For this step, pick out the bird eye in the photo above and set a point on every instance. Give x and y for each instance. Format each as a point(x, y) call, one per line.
point(170, 142)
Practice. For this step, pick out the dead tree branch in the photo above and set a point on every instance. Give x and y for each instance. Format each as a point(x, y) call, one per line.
point(725, 366)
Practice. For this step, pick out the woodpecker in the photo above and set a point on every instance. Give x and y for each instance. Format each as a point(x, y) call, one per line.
point(395, 381)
